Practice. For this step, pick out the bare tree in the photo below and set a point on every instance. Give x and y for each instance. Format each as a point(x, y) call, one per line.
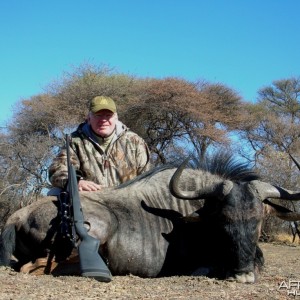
point(274, 121)
point(273, 130)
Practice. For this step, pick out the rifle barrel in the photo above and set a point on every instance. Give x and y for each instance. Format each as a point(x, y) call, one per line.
point(91, 263)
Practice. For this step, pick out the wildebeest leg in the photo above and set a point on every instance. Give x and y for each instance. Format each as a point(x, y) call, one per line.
point(259, 257)
point(48, 265)
point(57, 249)
point(58, 260)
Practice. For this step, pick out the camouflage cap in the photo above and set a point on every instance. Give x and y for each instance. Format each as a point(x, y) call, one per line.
point(102, 102)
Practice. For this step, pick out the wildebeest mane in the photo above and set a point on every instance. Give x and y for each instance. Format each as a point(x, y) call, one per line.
point(221, 163)
point(226, 165)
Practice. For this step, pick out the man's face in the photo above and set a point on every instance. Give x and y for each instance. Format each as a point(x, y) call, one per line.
point(103, 122)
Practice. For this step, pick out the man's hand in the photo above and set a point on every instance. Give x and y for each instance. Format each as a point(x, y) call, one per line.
point(90, 186)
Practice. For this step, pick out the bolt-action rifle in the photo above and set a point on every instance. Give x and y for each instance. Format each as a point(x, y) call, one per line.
point(91, 263)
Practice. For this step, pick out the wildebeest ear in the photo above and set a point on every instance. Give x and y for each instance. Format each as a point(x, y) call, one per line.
point(280, 211)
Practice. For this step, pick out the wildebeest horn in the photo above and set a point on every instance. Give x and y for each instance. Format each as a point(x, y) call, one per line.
point(267, 190)
point(212, 190)
point(281, 212)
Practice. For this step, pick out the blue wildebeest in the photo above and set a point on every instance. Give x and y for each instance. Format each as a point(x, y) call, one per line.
point(146, 229)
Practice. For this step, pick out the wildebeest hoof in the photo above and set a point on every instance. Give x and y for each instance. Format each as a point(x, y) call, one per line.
point(243, 277)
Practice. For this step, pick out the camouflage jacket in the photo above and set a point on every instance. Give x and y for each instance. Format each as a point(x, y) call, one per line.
point(126, 156)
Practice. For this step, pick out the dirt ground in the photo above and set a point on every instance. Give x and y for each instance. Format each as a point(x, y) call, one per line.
point(280, 279)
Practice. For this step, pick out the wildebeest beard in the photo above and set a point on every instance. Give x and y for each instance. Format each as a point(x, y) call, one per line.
point(227, 237)
point(223, 246)
point(232, 234)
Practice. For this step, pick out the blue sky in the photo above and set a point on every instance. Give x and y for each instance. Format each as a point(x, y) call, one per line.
point(243, 44)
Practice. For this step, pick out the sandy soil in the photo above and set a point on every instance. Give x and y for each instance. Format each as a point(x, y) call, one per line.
point(281, 267)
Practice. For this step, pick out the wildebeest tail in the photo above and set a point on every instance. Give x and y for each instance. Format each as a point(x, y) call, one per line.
point(7, 244)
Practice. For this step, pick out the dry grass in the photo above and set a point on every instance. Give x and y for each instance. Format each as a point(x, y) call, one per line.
point(285, 238)
point(282, 265)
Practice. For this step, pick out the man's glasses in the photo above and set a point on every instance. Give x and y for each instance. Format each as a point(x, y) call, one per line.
point(106, 116)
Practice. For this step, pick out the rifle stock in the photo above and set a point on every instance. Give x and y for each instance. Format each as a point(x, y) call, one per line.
point(91, 263)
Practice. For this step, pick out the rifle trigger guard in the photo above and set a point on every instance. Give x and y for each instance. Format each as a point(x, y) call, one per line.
point(87, 225)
